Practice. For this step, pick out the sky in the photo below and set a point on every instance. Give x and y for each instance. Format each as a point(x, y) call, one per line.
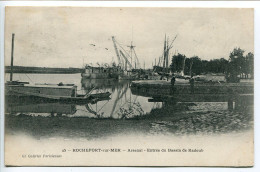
point(64, 36)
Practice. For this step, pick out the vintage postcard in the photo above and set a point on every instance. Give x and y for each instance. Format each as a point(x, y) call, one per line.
point(110, 86)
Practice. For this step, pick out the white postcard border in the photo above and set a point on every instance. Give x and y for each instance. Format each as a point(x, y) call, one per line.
point(229, 4)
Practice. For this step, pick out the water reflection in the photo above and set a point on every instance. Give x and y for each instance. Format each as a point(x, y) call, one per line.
point(122, 104)
point(124, 113)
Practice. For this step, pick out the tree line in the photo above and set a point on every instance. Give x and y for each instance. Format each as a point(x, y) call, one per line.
point(237, 64)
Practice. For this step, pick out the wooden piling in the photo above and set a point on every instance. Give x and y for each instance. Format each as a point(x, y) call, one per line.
point(230, 104)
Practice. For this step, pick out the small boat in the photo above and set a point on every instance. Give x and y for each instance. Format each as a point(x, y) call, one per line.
point(93, 98)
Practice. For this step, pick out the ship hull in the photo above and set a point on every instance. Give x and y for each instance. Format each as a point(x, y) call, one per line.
point(99, 76)
point(101, 73)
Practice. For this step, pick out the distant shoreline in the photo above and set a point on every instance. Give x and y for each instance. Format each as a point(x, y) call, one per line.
point(26, 69)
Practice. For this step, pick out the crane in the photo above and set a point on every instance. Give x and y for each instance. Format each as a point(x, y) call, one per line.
point(127, 62)
point(117, 53)
point(124, 58)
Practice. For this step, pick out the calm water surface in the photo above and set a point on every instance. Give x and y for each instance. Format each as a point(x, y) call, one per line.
point(125, 113)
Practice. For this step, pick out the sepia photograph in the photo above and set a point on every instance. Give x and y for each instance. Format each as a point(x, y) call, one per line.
point(128, 86)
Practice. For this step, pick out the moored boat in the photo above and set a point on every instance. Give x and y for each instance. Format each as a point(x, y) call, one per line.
point(56, 92)
point(91, 72)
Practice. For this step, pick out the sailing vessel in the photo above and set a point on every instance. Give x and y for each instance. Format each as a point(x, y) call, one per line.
point(59, 92)
point(127, 61)
point(163, 65)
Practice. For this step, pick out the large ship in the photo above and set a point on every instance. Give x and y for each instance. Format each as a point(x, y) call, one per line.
point(127, 66)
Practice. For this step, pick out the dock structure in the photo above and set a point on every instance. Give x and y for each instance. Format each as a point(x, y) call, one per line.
point(160, 90)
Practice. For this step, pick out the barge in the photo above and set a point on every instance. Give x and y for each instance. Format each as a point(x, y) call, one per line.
point(63, 93)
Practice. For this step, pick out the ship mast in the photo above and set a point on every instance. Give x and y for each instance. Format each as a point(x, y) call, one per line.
point(12, 58)
point(164, 51)
point(167, 48)
point(132, 51)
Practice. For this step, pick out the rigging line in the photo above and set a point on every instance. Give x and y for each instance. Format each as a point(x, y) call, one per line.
point(127, 55)
point(135, 99)
point(127, 101)
point(125, 51)
point(29, 78)
point(173, 41)
point(132, 33)
point(90, 110)
point(138, 62)
point(119, 96)
point(102, 106)
point(120, 43)
point(90, 107)
point(160, 58)
point(122, 105)
point(93, 111)
point(82, 110)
